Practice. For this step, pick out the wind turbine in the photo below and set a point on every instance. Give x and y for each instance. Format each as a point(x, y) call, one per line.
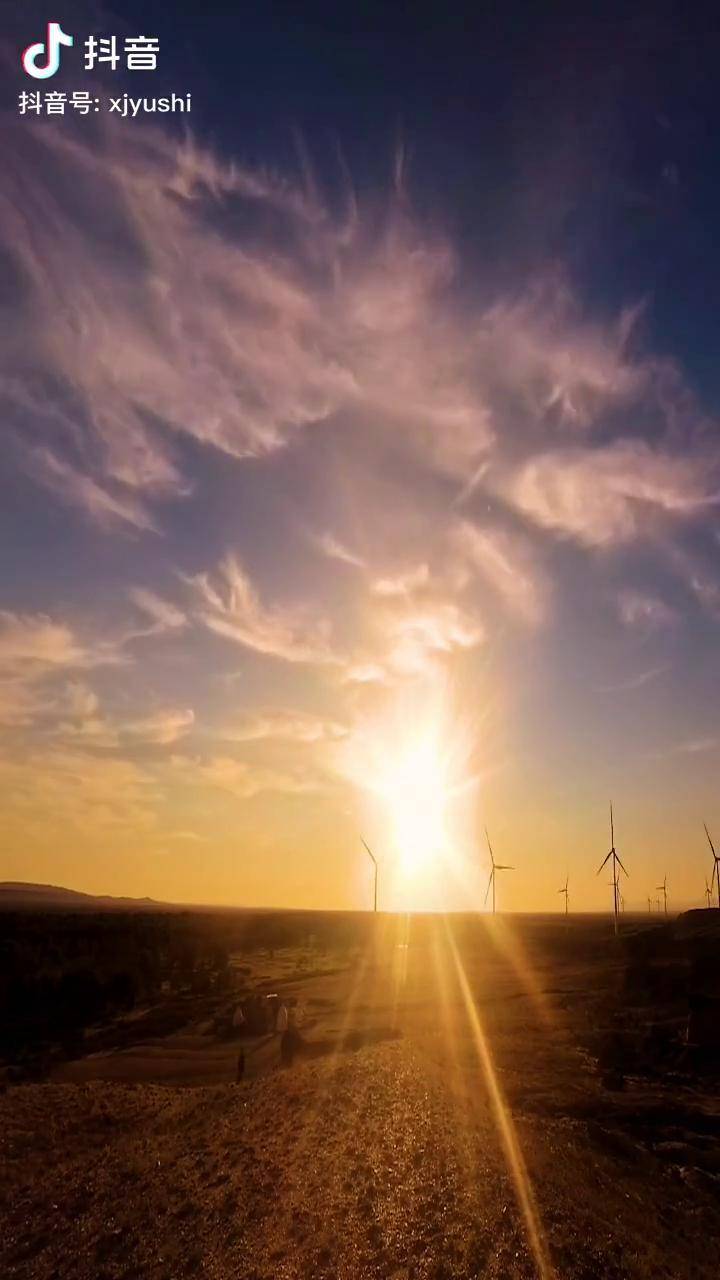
point(375, 865)
point(496, 866)
point(716, 861)
point(708, 894)
point(565, 891)
point(615, 864)
point(620, 898)
point(650, 905)
point(663, 887)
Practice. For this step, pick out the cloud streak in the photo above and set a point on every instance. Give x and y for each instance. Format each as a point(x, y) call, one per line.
point(612, 494)
point(507, 563)
point(229, 605)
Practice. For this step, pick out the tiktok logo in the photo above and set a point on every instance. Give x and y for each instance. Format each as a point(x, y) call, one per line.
point(55, 37)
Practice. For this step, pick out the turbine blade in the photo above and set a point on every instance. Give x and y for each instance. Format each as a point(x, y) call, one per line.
point(602, 864)
point(372, 855)
point(488, 887)
point(487, 837)
point(502, 866)
point(712, 846)
point(622, 866)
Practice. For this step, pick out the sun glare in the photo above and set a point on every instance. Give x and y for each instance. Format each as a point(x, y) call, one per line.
point(416, 796)
point(413, 765)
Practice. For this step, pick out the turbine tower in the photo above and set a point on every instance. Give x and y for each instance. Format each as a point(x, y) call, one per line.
point(375, 865)
point(715, 871)
point(496, 866)
point(565, 891)
point(662, 888)
point(615, 864)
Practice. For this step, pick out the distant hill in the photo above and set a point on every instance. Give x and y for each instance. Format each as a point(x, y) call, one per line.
point(15, 894)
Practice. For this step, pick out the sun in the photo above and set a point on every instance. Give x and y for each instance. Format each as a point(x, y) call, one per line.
point(411, 762)
point(416, 794)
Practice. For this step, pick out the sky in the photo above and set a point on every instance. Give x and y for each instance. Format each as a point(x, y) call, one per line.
point(361, 465)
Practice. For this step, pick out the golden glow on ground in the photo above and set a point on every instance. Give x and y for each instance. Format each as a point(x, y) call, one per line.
point(450, 985)
point(503, 1120)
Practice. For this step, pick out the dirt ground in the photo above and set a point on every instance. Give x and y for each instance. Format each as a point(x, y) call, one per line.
point(445, 1119)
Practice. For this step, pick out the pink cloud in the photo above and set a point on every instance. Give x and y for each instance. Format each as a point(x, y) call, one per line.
point(79, 489)
point(230, 605)
point(240, 342)
point(507, 563)
point(611, 494)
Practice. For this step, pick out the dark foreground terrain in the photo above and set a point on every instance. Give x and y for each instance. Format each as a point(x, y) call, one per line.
point(471, 1098)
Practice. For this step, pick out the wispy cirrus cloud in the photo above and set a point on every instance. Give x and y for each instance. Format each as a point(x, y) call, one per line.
point(242, 779)
point(636, 681)
point(416, 638)
point(79, 489)
point(413, 624)
point(402, 584)
point(508, 564)
point(86, 722)
point(81, 719)
point(284, 726)
point(236, 310)
point(37, 653)
point(163, 614)
point(161, 727)
point(699, 580)
point(35, 650)
point(38, 643)
point(638, 609)
point(336, 550)
point(611, 494)
point(229, 604)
